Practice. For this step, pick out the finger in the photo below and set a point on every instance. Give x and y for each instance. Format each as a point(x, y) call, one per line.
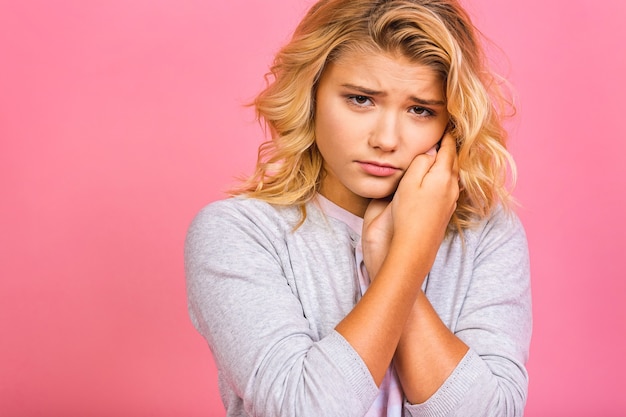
point(447, 155)
point(419, 167)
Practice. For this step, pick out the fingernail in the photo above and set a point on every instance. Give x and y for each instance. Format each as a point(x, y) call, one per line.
point(432, 151)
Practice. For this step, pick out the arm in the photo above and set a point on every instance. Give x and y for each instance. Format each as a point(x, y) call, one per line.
point(421, 370)
point(476, 369)
point(243, 300)
point(427, 354)
point(419, 213)
point(493, 318)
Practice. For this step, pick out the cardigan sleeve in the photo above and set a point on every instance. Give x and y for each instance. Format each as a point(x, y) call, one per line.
point(265, 351)
point(495, 321)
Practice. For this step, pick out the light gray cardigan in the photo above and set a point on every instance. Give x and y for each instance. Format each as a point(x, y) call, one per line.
point(267, 298)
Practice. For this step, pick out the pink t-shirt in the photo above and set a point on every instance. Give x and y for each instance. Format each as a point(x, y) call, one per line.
point(390, 398)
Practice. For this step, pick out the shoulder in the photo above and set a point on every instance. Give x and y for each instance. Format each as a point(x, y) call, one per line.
point(243, 212)
point(239, 221)
point(501, 223)
point(500, 238)
point(500, 233)
point(238, 204)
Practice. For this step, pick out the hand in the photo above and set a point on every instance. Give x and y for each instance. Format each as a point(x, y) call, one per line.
point(427, 194)
point(421, 207)
point(377, 234)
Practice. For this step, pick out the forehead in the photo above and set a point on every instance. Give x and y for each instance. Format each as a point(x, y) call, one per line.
point(383, 71)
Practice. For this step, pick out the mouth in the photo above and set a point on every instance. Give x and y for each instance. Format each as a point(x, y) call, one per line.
point(378, 169)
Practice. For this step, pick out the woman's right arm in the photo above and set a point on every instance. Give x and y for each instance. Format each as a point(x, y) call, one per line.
point(264, 347)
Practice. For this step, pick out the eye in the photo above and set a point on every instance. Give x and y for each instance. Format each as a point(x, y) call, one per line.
point(421, 111)
point(358, 100)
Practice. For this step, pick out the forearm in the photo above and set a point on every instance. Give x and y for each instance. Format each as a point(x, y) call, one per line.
point(376, 323)
point(486, 304)
point(427, 352)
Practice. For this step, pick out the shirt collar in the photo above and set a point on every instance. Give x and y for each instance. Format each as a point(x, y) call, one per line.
point(333, 210)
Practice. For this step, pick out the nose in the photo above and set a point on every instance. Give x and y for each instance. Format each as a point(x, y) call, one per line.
point(385, 134)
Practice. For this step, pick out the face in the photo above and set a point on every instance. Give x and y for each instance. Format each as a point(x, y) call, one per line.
point(374, 114)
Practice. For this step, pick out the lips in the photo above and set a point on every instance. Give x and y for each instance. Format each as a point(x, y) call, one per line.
point(378, 169)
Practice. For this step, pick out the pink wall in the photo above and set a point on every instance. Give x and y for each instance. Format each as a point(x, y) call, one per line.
point(120, 119)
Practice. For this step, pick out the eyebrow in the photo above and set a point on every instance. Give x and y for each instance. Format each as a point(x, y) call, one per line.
point(369, 92)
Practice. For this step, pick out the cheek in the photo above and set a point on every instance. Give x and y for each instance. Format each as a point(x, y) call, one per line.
point(424, 138)
point(331, 127)
point(324, 138)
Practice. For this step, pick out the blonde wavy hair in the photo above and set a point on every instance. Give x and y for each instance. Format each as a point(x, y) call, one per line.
point(435, 33)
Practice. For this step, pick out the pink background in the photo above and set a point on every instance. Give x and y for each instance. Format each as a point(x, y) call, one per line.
point(120, 119)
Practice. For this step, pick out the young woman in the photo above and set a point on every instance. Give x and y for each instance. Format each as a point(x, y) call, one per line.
point(370, 266)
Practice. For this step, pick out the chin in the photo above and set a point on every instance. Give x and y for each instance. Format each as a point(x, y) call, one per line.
point(377, 194)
